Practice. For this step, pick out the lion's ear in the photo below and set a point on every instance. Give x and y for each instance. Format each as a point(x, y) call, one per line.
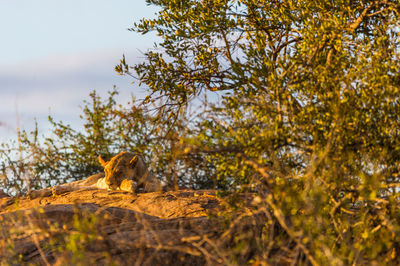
point(134, 161)
point(102, 162)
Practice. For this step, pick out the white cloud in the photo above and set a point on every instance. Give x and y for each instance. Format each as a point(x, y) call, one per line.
point(58, 85)
point(90, 69)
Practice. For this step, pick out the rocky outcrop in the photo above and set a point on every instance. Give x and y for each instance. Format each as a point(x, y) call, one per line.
point(120, 228)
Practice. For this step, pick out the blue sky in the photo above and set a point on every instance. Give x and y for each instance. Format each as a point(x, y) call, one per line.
point(53, 53)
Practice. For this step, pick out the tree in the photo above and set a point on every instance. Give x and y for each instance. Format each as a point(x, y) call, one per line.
point(308, 117)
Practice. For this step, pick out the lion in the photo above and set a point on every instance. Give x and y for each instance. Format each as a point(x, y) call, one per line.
point(91, 183)
point(125, 171)
point(128, 171)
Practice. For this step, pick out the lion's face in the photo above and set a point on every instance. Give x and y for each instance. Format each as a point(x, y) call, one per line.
point(120, 167)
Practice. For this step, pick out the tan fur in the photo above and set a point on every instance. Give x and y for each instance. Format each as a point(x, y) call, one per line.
point(90, 183)
point(128, 171)
point(125, 171)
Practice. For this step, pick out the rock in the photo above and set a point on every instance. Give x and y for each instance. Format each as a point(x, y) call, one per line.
point(103, 227)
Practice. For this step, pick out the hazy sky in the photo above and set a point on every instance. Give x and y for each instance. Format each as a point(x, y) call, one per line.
point(53, 53)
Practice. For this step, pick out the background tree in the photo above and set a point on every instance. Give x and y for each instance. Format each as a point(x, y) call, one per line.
point(67, 154)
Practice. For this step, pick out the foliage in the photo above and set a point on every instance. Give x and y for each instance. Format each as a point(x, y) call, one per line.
point(309, 111)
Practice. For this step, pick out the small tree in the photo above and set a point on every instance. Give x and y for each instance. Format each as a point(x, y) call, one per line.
point(67, 154)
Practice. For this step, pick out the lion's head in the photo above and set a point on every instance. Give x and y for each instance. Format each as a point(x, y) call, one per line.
point(120, 167)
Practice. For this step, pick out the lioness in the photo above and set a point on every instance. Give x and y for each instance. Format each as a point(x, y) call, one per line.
point(125, 171)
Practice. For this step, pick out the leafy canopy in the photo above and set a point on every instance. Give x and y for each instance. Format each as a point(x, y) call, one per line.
point(308, 111)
